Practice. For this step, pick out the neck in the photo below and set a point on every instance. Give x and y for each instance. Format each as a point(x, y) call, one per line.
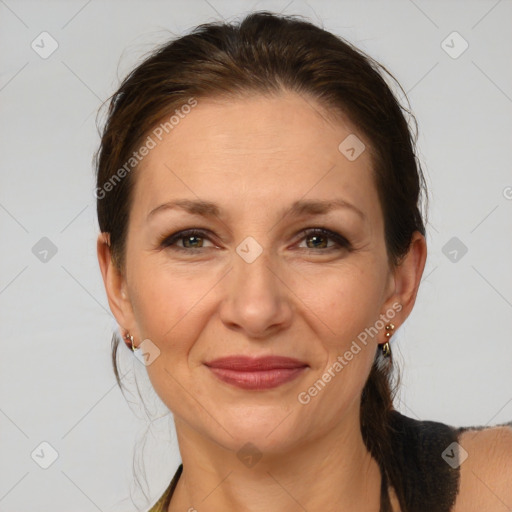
point(333, 472)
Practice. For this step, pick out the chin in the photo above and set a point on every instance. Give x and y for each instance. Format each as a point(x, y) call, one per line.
point(269, 432)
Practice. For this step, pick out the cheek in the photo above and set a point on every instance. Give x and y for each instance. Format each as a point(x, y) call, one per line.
point(160, 301)
point(169, 309)
point(346, 307)
point(171, 305)
point(343, 300)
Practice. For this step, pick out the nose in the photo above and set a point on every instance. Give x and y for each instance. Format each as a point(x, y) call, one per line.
point(258, 300)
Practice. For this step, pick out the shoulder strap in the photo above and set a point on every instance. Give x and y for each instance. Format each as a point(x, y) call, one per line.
point(163, 503)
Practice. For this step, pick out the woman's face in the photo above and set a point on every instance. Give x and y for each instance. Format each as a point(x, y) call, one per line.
point(256, 281)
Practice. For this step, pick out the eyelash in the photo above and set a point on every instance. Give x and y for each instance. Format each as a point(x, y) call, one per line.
point(169, 242)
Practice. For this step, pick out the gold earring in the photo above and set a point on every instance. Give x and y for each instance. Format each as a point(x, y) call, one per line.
point(386, 347)
point(128, 336)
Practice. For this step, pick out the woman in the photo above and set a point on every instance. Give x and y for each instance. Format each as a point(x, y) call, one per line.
point(261, 241)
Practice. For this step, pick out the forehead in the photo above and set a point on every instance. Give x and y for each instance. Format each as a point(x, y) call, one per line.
point(254, 151)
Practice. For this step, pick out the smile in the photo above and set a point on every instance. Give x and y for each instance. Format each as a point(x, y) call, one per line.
point(260, 373)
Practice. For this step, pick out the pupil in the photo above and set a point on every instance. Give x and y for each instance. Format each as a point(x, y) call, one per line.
point(316, 237)
point(189, 239)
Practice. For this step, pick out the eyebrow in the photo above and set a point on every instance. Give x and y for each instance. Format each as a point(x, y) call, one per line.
point(300, 207)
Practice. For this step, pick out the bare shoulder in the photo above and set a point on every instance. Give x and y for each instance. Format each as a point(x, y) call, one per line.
point(485, 470)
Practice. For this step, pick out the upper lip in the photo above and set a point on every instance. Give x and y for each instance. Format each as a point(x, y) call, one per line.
point(245, 363)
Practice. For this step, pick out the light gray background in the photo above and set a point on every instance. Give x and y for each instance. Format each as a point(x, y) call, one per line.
point(57, 385)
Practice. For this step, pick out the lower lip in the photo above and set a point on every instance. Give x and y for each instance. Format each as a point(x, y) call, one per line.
point(263, 379)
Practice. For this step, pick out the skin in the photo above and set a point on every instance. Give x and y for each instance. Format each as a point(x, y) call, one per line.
point(486, 474)
point(299, 298)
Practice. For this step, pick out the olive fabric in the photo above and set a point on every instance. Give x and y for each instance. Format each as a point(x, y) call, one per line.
point(163, 503)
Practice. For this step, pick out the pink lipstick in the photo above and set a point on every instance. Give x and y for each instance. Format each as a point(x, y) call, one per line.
point(256, 373)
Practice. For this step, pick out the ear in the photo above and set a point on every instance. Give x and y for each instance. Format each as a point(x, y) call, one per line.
point(115, 285)
point(406, 278)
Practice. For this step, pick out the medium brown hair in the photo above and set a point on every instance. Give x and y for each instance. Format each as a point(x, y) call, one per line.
point(269, 54)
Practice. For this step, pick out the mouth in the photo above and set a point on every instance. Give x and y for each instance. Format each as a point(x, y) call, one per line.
point(256, 373)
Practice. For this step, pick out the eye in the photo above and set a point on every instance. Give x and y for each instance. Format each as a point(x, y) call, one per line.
point(320, 237)
point(192, 239)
